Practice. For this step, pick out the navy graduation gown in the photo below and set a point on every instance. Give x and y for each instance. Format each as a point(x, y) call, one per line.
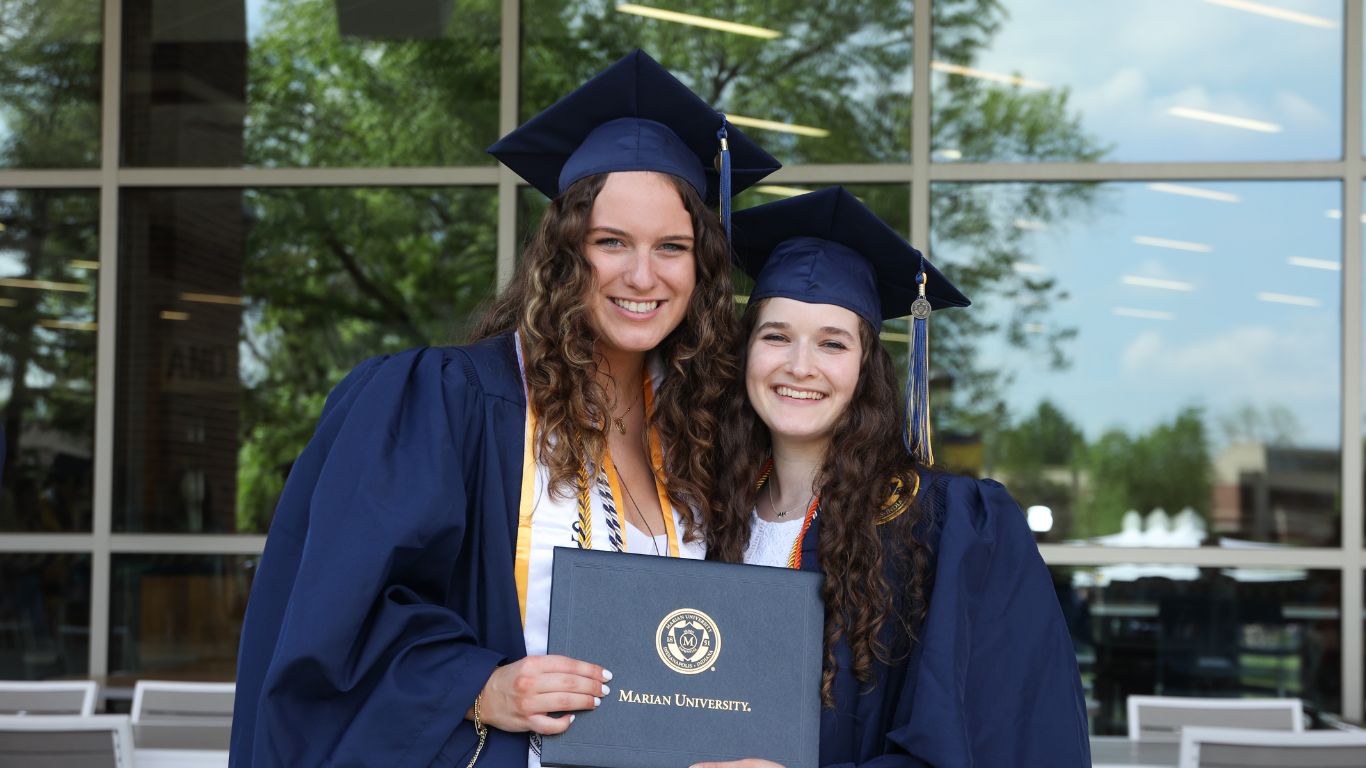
point(386, 595)
point(993, 678)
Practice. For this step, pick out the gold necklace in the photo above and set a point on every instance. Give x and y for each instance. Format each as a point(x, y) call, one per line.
point(773, 506)
point(620, 421)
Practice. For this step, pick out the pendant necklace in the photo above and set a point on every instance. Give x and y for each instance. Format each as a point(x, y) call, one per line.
point(781, 513)
point(620, 421)
point(649, 529)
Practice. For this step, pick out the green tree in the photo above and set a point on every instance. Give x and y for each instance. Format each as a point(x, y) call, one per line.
point(1040, 457)
point(844, 66)
point(49, 118)
point(331, 276)
point(49, 83)
point(1168, 467)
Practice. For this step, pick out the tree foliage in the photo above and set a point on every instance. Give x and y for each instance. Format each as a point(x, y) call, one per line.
point(49, 118)
point(333, 275)
point(1167, 467)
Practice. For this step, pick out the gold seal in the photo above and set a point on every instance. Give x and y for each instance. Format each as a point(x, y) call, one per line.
point(688, 641)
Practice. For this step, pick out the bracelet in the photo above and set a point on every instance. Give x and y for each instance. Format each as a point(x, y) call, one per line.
point(479, 728)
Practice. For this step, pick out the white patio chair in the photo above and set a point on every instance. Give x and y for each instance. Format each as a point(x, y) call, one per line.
point(176, 715)
point(66, 741)
point(48, 697)
point(1161, 718)
point(1203, 747)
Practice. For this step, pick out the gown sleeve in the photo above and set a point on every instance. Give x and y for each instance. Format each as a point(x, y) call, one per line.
point(996, 673)
point(351, 653)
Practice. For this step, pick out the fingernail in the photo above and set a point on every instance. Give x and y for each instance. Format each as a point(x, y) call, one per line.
point(596, 701)
point(606, 690)
point(571, 718)
point(607, 674)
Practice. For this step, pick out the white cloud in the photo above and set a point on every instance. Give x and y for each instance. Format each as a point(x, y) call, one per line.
point(1256, 364)
point(1295, 109)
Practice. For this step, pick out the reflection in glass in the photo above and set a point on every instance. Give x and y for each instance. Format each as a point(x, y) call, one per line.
point(310, 83)
point(1153, 364)
point(50, 87)
point(1055, 80)
point(44, 615)
point(49, 268)
point(1180, 630)
point(241, 309)
point(178, 616)
point(820, 83)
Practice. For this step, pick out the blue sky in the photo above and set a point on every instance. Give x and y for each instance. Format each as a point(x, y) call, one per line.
point(1167, 292)
point(1191, 328)
point(1128, 64)
point(1212, 342)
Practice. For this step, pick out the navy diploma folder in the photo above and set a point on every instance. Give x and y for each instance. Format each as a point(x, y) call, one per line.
point(710, 661)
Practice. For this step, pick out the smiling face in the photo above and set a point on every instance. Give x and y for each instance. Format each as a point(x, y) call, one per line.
point(803, 367)
point(640, 245)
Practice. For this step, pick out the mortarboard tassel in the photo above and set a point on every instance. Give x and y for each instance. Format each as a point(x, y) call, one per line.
point(724, 171)
point(918, 379)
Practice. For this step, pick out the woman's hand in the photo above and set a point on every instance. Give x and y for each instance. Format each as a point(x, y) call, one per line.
point(746, 763)
point(520, 695)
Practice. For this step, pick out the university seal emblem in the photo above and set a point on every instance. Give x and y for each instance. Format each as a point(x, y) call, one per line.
point(688, 641)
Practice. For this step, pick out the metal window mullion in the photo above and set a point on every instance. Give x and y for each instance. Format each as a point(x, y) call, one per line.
point(1308, 558)
point(188, 544)
point(106, 348)
point(309, 177)
point(1351, 377)
point(37, 179)
point(844, 173)
point(1139, 171)
point(905, 173)
point(78, 543)
point(922, 41)
point(509, 91)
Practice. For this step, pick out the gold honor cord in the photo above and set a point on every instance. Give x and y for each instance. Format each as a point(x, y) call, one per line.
point(522, 567)
point(794, 558)
point(584, 527)
point(898, 501)
point(666, 507)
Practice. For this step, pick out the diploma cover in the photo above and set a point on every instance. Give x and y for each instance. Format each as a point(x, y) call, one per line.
point(710, 661)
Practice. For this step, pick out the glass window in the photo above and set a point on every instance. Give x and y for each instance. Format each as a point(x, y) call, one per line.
point(178, 616)
point(1148, 364)
point(812, 83)
point(1181, 630)
point(44, 615)
point(1163, 80)
point(49, 268)
point(50, 83)
point(310, 83)
point(241, 309)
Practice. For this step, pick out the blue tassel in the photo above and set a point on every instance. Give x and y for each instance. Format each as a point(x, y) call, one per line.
point(722, 135)
point(917, 437)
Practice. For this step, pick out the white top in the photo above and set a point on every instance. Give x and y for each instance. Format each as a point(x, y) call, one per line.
point(553, 523)
point(642, 543)
point(772, 543)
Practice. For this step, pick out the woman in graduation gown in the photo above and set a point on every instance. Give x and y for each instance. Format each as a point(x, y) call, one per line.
point(945, 644)
point(399, 613)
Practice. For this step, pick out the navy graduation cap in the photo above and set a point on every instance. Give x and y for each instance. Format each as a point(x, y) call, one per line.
point(826, 247)
point(635, 116)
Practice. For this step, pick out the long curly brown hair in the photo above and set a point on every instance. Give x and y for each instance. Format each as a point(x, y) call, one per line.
point(547, 303)
point(874, 574)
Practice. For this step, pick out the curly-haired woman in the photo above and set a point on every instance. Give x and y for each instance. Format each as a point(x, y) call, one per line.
point(944, 642)
point(399, 613)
